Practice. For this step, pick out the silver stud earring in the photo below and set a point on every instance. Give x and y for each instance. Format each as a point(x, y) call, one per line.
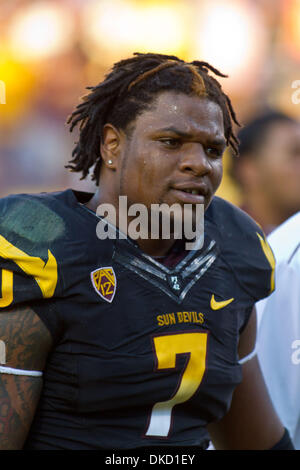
point(109, 162)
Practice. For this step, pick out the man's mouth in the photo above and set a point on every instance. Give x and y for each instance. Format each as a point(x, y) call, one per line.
point(189, 195)
point(191, 191)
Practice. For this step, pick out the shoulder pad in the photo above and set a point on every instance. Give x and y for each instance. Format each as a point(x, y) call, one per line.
point(243, 247)
point(30, 218)
point(28, 228)
point(47, 244)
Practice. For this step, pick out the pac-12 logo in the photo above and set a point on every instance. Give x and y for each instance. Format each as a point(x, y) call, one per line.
point(104, 282)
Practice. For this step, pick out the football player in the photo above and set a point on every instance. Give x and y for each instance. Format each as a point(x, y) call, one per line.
point(122, 344)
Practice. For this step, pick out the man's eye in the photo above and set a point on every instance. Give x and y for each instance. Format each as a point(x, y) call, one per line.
point(214, 152)
point(171, 143)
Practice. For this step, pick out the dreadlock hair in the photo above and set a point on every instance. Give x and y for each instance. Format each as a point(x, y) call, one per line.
point(128, 90)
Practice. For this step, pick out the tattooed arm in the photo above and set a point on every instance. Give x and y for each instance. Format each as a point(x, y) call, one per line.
point(25, 342)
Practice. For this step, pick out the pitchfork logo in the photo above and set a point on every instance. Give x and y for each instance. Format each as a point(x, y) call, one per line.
point(104, 282)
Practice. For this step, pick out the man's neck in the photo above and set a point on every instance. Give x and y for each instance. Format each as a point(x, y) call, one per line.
point(156, 248)
point(151, 247)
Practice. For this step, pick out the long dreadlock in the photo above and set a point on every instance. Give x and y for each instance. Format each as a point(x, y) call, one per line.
point(129, 89)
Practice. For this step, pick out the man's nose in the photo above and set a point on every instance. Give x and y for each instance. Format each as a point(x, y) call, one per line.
point(195, 160)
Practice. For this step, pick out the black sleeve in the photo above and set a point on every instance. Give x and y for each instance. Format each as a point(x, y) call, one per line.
point(49, 314)
point(28, 267)
point(244, 248)
point(285, 443)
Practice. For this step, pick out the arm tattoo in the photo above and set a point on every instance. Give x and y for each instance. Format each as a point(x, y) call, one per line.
point(16, 412)
point(26, 338)
point(27, 342)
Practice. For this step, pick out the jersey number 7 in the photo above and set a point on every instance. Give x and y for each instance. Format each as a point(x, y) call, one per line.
point(166, 348)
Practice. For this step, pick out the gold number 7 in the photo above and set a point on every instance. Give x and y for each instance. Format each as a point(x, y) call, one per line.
point(166, 348)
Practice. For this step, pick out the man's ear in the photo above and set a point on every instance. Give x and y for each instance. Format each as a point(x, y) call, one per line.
point(111, 146)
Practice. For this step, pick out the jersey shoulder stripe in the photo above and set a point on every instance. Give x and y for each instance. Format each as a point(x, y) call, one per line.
point(243, 246)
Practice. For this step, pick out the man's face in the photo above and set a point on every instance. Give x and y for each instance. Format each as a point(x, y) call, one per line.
point(174, 152)
point(278, 166)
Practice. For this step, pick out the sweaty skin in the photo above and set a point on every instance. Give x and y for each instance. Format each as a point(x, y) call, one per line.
point(177, 143)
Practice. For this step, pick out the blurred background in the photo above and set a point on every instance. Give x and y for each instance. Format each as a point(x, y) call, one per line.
point(51, 50)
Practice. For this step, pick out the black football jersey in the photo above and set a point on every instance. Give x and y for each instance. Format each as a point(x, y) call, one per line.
point(143, 354)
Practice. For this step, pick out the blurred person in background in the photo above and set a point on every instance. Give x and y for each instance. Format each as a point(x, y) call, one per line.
point(278, 319)
point(268, 168)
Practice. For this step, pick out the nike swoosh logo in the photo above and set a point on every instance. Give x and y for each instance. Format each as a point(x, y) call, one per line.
point(45, 274)
point(215, 305)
